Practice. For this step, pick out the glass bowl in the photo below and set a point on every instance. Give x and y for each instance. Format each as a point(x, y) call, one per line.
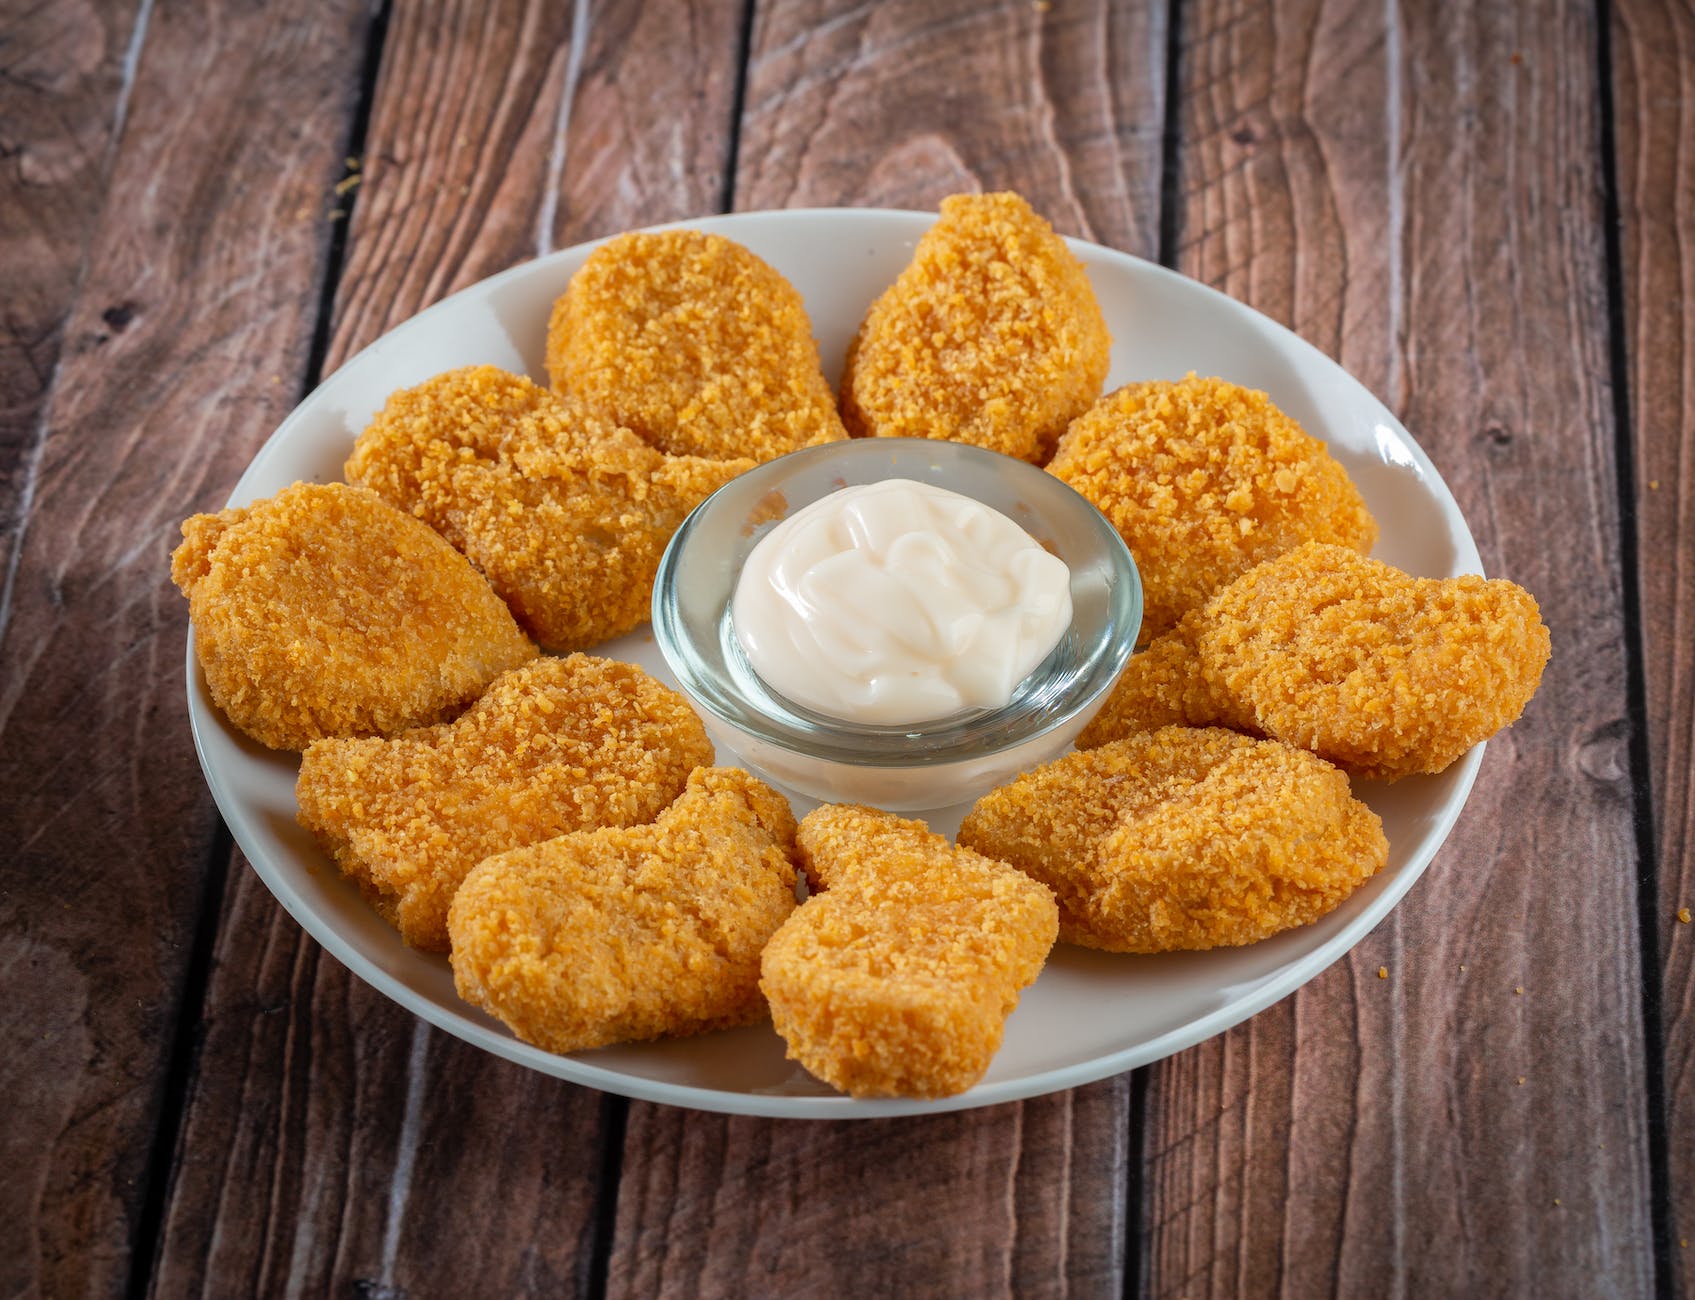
point(927, 765)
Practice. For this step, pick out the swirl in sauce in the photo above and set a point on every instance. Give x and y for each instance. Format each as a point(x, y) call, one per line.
point(897, 603)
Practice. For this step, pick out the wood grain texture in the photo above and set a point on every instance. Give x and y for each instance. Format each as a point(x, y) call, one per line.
point(1653, 49)
point(476, 159)
point(332, 1140)
point(1017, 1199)
point(1418, 193)
point(192, 297)
point(899, 105)
point(62, 99)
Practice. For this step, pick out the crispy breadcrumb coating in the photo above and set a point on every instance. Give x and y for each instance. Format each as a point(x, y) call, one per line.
point(1383, 674)
point(324, 611)
point(1183, 839)
point(616, 935)
point(1203, 480)
point(566, 513)
point(559, 745)
point(695, 344)
point(991, 335)
point(897, 979)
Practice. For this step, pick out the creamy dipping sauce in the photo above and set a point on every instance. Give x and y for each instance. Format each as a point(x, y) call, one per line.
point(899, 602)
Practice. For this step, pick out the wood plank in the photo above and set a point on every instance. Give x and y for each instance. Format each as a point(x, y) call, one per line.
point(62, 100)
point(1021, 1199)
point(198, 286)
point(1417, 192)
point(901, 104)
point(332, 1140)
point(1653, 48)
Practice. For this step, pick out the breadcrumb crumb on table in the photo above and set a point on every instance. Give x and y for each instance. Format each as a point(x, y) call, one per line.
point(991, 335)
point(695, 344)
point(1204, 479)
point(565, 513)
point(896, 977)
point(324, 611)
point(559, 745)
point(623, 934)
point(1183, 838)
point(1381, 673)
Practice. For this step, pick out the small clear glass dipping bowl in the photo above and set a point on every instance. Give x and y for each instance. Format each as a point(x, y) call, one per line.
point(928, 765)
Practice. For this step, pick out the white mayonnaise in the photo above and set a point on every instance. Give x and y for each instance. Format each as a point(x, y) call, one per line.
point(899, 602)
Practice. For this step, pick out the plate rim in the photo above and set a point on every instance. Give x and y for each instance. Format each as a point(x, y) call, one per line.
point(581, 1071)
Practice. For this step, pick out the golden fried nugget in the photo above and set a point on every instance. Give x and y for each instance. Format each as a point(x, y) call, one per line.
point(616, 935)
point(1203, 480)
point(695, 344)
point(324, 611)
point(897, 979)
point(1383, 674)
point(991, 335)
point(559, 745)
point(1182, 838)
point(566, 513)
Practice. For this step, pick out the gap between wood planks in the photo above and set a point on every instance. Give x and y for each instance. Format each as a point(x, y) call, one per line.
point(1636, 675)
point(180, 1068)
point(161, 1169)
point(1170, 231)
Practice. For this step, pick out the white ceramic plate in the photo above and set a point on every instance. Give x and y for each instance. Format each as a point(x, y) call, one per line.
point(1090, 1014)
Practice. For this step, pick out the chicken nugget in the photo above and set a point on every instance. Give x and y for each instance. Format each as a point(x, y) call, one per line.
point(1383, 674)
point(695, 344)
point(991, 335)
point(616, 935)
point(897, 979)
point(1203, 480)
point(559, 745)
point(1183, 839)
point(324, 611)
point(566, 513)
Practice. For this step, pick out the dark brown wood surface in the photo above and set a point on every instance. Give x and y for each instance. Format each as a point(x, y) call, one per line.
point(1653, 50)
point(196, 284)
point(203, 210)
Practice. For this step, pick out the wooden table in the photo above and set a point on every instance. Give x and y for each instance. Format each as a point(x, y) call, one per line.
point(1486, 214)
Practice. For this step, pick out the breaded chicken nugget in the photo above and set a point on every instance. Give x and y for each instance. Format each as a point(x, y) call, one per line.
point(616, 935)
point(991, 335)
point(1203, 480)
point(1183, 838)
point(559, 745)
point(897, 979)
point(695, 344)
point(324, 611)
point(1383, 674)
point(566, 514)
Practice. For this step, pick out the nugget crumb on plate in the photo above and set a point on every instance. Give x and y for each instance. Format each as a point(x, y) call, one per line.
point(623, 934)
point(1204, 479)
point(991, 335)
point(324, 611)
point(897, 979)
point(694, 343)
point(1379, 672)
point(1183, 838)
point(559, 745)
point(565, 512)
